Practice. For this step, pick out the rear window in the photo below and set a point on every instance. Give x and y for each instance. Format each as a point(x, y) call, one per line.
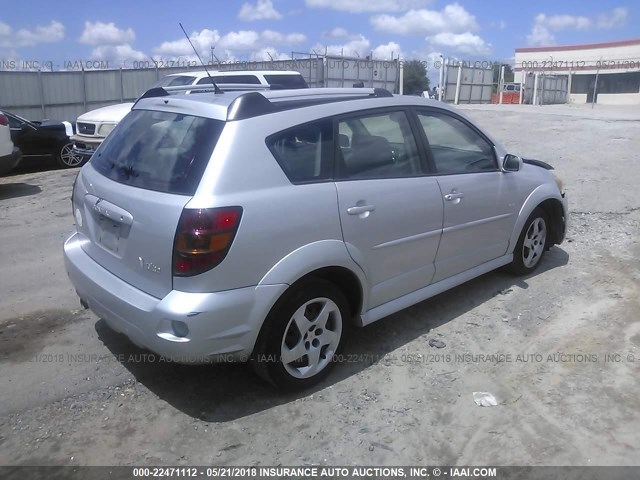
point(171, 81)
point(161, 151)
point(286, 81)
point(251, 79)
point(305, 152)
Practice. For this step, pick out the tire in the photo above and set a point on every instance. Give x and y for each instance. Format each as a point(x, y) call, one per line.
point(532, 243)
point(296, 346)
point(67, 158)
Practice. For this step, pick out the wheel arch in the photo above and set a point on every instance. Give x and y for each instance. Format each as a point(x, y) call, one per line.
point(325, 259)
point(555, 214)
point(346, 281)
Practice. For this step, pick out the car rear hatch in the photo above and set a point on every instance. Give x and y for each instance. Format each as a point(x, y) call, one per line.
point(132, 193)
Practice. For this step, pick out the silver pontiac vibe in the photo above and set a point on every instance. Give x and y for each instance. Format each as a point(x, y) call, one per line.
point(263, 225)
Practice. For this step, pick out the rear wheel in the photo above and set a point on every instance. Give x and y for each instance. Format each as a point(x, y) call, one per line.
point(531, 243)
point(67, 158)
point(301, 335)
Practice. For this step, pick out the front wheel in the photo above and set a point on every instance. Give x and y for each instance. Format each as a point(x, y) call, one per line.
point(67, 158)
point(301, 336)
point(531, 243)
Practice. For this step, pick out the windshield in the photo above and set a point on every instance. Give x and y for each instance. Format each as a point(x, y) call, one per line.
point(161, 151)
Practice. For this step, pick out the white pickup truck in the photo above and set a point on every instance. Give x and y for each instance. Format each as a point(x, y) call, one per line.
point(93, 127)
point(9, 154)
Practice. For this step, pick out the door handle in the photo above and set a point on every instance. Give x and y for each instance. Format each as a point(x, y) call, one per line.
point(358, 210)
point(453, 196)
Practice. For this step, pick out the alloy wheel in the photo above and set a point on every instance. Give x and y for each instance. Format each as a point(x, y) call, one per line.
point(311, 338)
point(534, 242)
point(68, 157)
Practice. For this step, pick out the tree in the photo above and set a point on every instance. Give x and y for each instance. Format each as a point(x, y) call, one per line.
point(415, 77)
point(508, 72)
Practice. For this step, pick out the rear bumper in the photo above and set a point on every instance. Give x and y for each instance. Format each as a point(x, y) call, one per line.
point(9, 162)
point(223, 326)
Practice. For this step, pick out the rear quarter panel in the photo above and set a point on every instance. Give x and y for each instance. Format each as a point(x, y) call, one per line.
point(293, 226)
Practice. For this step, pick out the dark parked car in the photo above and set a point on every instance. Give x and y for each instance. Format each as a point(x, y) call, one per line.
point(46, 137)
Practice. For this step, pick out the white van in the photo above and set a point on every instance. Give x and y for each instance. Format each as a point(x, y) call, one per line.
point(93, 127)
point(275, 78)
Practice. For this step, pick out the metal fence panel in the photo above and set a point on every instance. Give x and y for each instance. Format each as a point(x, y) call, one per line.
point(62, 88)
point(476, 84)
point(551, 89)
point(102, 86)
point(136, 81)
point(347, 71)
point(20, 89)
point(67, 95)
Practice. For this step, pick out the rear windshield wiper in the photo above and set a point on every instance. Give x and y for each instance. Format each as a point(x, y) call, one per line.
point(125, 170)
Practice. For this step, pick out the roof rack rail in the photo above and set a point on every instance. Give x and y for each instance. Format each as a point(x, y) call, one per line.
point(225, 87)
point(254, 104)
point(204, 88)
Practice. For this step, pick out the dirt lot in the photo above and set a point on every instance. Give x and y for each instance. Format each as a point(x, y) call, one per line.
point(73, 392)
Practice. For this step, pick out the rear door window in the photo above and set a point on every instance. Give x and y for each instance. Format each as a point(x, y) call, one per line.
point(161, 151)
point(377, 146)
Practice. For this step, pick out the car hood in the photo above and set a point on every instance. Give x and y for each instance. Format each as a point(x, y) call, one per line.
point(112, 113)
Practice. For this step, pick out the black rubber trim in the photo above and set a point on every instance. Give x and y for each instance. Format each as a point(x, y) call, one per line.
point(537, 163)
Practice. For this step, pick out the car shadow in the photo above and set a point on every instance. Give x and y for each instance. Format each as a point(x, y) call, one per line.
point(224, 392)
point(34, 164)
point(16, 190)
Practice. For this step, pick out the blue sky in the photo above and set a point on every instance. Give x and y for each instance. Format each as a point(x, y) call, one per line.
point(120, 31)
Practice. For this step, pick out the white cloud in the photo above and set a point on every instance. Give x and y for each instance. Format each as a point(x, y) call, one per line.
point(614, 19)
point(54, 32)
point(462, 42)
point(544, 26)
point(358, 46)
point(563, 22)
point(242, 40)
point(387, 51)
point(266, 54)
point(230, 45)
point(117, 53)
point(262, 10)
point(337, 32)
point(359, 6)
point(99, 33)
point(271, 37)
point(202, 41)
point(540, 35)
point(5, 30)
point(453, 18)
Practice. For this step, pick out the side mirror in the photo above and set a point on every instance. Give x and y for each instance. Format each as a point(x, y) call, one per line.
point(511, 163)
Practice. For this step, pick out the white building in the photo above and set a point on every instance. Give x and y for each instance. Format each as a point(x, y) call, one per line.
point(616, 65)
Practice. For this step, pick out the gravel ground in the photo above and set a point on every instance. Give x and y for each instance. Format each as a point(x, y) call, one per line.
point(560, 350)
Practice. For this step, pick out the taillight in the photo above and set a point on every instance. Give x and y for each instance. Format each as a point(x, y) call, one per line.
point(3, 120)
point(203, 238)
